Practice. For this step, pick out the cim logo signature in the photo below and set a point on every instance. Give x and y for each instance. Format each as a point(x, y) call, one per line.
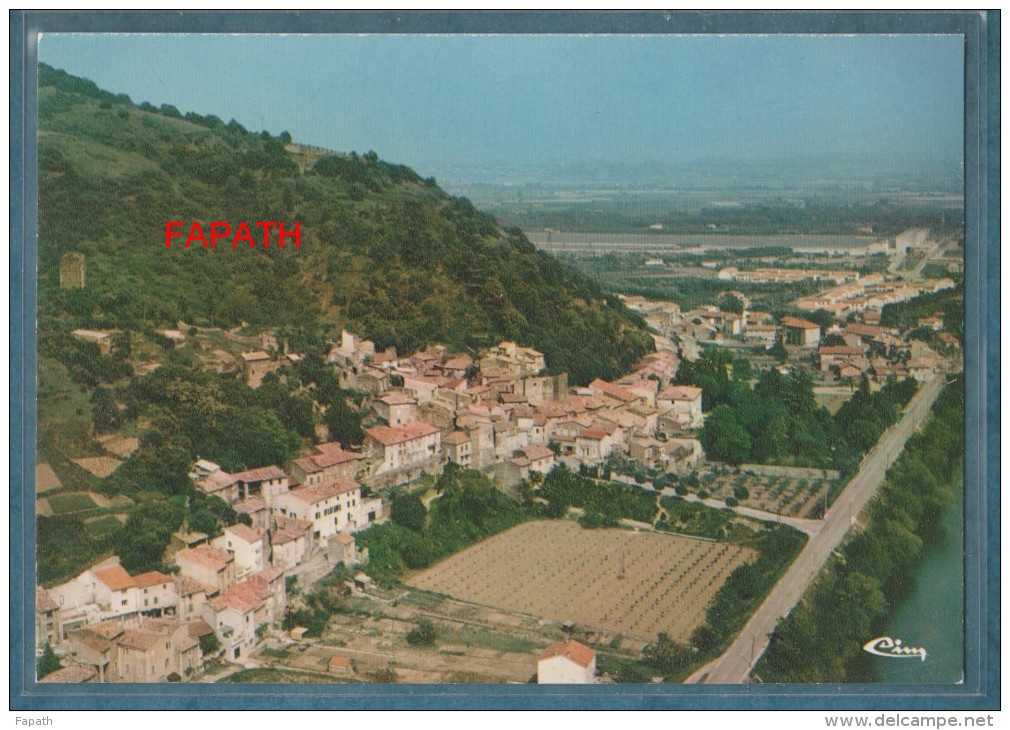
point(893, 649)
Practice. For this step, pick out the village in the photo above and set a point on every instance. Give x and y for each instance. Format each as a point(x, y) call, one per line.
point(500, 411)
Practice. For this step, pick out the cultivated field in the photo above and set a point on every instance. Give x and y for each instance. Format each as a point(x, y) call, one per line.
point(633, 583)
point(799, 495)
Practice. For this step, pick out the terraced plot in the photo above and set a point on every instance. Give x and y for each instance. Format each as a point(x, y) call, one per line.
point(634, 583)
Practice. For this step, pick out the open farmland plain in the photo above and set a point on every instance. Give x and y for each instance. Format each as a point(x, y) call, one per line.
point(602, 243)
point(635, 583)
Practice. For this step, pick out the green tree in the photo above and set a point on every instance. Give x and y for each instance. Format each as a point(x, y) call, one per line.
point(141, 541)
point(409, 511)
point(209, 644)
point(424, 634)
point(778, 351)
point(104, 410)
point(47, 663)
point(666, 655)
point(704, 638)
point(203, 521)
point(724, 438)
point(730, 303)
point(343, 424)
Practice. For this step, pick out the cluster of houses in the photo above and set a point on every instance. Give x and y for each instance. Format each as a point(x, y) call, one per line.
point(114, 627)
point(869, 295)
point(787, 276)
point(503, 414)
point(147, 627)
point(870, 349)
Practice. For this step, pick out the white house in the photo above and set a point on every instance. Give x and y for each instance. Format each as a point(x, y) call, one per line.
point(288, 546)
point(801, 332)
point(685, 403)
point(409, 446)
point(247, 545)
point(209, 565)
point(567, 663)
point(236, 614)
point(108, 592)
point(266, 483)
point(325, 463)
point(540, 457)
point(457, 448)
point(396, 408)
point(331, 508)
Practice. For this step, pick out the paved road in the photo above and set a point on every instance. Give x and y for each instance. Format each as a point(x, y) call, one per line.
point(734, 666)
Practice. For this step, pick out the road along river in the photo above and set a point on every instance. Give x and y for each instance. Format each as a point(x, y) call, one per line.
point(734, 666)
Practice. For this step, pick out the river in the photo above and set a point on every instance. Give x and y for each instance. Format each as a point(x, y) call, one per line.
point(932, 614)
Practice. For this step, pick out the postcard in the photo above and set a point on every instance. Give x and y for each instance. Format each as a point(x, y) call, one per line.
point(519, 358)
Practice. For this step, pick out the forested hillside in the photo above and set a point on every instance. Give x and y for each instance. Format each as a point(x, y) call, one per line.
point(383, 252)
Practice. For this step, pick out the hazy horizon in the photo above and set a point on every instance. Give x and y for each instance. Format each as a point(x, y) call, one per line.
point(452, 105)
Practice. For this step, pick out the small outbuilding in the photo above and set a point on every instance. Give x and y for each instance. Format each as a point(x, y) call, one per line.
point(567, 663)
point(339, 665)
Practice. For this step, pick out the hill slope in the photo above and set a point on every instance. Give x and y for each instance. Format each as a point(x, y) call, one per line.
point(384, 252)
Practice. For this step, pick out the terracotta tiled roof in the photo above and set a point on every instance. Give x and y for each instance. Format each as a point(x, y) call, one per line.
point(535, 452)
point(74, 674)
point(319, 492)
point(198, 627)
point(680, 392)
point(389, 436)
point(864, 330)
point(459, 362)
point(206, 556)
point(589, 433)
point(250, 505)
point(270, 574)
point(188, 587)
point(397, 399)
point(325, 455)
point(612, 391)
point(242, 597)
point(107, 629)
point(151, 578)
point(340, 661)
point(840, 350)
point(142, 640)
point(455, 438)
point(216, 480)
point(43, 602)
point(284, 535)
point(799, 323)
point(573, 650)
point(116, 578)
point(244, 532)
point(260, 475)
point(255, 356)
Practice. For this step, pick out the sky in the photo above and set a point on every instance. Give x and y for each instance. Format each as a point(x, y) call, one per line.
point(438, 102)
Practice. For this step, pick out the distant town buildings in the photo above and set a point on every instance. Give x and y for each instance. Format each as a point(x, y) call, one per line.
point(801, 332)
